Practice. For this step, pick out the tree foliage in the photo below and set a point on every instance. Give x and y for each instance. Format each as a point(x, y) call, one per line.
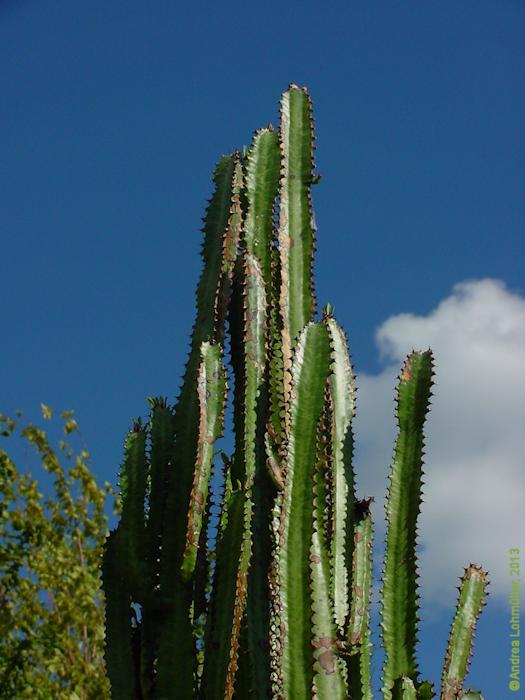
point(51, 602)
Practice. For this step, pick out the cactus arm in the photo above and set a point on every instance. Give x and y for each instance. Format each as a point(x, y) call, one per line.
point(261, 185)
point(133, 482)
point(211, 388)
point(176, 665)
point(118, 651)
point(358, 631)
point(296, 224)
point(404, 689)
point(470, 602)
point(249, 359)
point(161, 436)
point(425, 690)
point(228, 596)
point(399, 610)
point(472, 695)
point(329, 681)
point(161, 431)
point(309, 374)
point(230, 244)
point(342, 399)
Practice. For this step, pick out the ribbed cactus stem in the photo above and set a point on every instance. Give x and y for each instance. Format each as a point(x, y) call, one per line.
point(296, 224)
point(310, 369)
point(329, 669)
point(399, 610)
point(211, 390)
point(471, 599)
point(358, 631)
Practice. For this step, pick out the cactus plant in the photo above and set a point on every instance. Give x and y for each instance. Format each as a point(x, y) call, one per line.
point(279, 606)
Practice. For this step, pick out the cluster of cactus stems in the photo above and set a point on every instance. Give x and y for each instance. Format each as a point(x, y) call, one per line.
point(279, 606)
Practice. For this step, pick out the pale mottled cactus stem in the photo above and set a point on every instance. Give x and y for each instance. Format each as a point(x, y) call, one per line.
point(296, 224)
point(470, 602)
point(399, 592)
point(342, 398)
point(358, 631)
point(211, 390)
point(310, 369)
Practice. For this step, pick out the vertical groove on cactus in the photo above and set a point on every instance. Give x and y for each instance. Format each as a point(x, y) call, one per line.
point(470, 602)
point(399, 610)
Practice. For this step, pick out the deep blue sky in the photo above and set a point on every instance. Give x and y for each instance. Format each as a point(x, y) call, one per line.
point(112, 117)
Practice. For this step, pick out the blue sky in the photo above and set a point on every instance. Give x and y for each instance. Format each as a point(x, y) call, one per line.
point(113, 116)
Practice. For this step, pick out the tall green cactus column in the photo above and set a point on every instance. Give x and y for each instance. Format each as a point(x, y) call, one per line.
point(279, 608)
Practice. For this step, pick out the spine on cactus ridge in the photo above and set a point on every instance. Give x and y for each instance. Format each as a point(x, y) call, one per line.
point(177, 658)
point(471, 599)
point(399, 592)
point(358, 631)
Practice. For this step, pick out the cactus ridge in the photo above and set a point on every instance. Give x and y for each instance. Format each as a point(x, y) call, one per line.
point(277, 603)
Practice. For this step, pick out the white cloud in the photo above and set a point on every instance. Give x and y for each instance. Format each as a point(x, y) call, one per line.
point(474, 492)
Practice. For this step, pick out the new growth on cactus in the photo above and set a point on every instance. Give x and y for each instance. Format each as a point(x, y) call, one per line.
point(280, 606)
